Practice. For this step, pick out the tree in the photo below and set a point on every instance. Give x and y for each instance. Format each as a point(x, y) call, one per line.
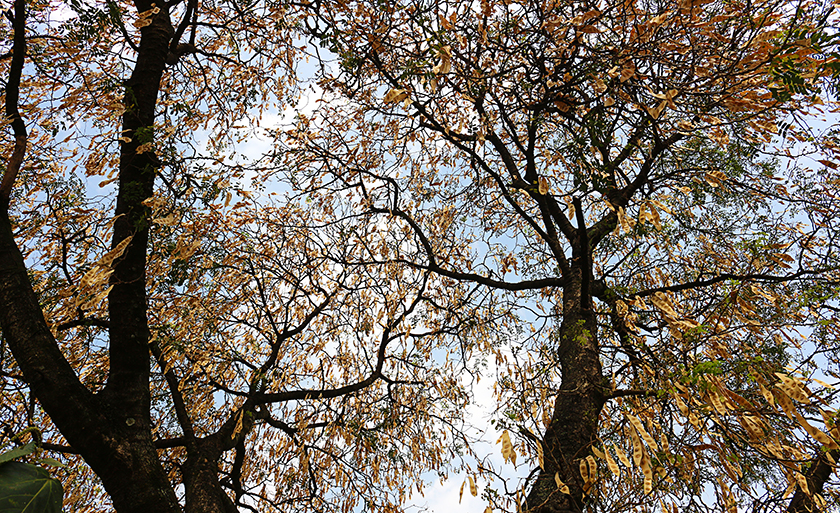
point(182, 327)
point(606, 173)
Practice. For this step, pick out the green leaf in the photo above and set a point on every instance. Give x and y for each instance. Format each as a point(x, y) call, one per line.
point(25, 488)
point(18, 452)
point(51, 462)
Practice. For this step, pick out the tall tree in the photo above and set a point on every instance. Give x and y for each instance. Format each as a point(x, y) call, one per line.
point(182, 327)
point(605, 172)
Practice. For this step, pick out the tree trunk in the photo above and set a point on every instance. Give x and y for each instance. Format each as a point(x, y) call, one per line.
point(111, 430)
point(204, 494)
point(574, 422)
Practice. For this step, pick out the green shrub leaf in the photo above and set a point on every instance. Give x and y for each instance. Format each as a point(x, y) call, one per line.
point(26, 488)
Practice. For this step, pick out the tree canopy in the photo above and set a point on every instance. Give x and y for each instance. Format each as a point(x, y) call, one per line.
point(624, 213)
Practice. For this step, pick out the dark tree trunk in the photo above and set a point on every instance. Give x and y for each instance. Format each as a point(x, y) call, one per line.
point(111, 430)
point(574, 422)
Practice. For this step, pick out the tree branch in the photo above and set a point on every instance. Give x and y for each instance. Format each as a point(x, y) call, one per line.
point(12, 97)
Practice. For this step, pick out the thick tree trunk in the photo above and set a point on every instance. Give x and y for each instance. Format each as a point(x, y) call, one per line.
point(574, 423)
point(111, 430)
point(201, 482)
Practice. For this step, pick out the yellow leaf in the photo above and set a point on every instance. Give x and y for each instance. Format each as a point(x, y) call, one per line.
point(823, 383)
point(461, 492)
point(621, 456)
point(508, 453)
point(445, 64)
point(793, 388)
point(593, 468)
point(115, 253)
point(169, 220)
point(395, 95)
point(560, 484)
point(94, 302)
point(818, 435)
point(657, 20)
point(681, 405)
point(543, 187)
point(627, 72)
point(641, 429)
point(714, 178)
point(540, 455)
point(154, 202)
point(685, 126)
point(767, 395)
point(611, 464)
point(717, 403)
point(662, 301)
point(802, 482)
point(638, 450)
point(584, 470)
point(655, 112)
point(97, 275)
point(600, 86)
point(143, 148)
point(473, 488)
point(109, 181)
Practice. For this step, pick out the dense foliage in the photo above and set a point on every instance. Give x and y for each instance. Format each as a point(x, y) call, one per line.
point(624, 213)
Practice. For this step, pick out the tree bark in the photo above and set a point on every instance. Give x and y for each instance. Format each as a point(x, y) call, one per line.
point(111, 430)
point(580, 398)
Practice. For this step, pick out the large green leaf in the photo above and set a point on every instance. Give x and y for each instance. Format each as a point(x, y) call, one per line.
point(26, 488)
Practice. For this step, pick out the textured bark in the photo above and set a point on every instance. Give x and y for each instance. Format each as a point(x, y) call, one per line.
point(111, 430)
point(201, 483)
point(817, 476)
point(574, 422)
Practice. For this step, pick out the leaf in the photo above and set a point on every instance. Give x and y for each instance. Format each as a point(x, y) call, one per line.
point(655, 112)
point(52, 462)
point(621, 456)
point(613, 466)
point(793, 388)
point(560, 484)
point(627, 72)
point(802, 482)
point(641, 429)
point(593, 468)
point(473, 488)
point(828, 163)
point(395, 95)
point(685, 126)
point(169, 220)
point(638, 448)
point(540, 455)
point(445, 65)
point(18, 452)
point(25, 488)
point(109, 181)
point(507, 447)
point(461, 492)
point(584, 470)
point(543, 185)
point(715, 178)
point(818, 435)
